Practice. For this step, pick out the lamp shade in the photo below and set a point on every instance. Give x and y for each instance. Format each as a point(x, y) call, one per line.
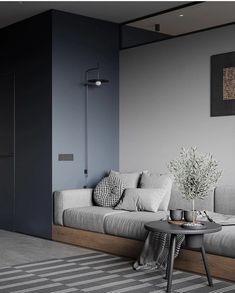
point(96, 82)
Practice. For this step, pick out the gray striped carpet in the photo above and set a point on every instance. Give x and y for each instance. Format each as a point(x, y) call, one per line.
point(101, 273)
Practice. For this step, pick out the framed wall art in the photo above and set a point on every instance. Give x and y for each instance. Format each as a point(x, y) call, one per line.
point(223, 84)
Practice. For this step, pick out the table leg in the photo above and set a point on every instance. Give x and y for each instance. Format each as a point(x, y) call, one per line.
point(170, 263)
point(168, 260)
point(204, 257)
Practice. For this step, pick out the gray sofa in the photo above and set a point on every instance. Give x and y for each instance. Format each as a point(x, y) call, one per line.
point(75, 209)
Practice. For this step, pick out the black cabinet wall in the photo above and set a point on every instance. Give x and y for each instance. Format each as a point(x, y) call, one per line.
point(25, 179)
point(7, 151)
point(33, 126)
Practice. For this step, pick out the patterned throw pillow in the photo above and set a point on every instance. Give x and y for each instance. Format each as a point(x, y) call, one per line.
point(108, 191)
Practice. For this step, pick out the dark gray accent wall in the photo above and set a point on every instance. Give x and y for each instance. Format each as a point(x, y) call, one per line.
point(26, 51)
point(78, 44)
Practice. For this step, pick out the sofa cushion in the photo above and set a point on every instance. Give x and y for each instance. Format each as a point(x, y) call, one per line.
point(88, 218)
point(222, 242)
point(225, 199)
point(130, 180)
point(108, 191)
point(131, 224)
point(70, 198)
point(139, 199)
point(154, 180)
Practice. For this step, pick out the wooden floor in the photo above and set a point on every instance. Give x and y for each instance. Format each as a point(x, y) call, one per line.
point(220, 266)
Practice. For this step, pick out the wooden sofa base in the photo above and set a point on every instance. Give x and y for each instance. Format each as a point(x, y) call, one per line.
point(220, 266)
point(98, 241)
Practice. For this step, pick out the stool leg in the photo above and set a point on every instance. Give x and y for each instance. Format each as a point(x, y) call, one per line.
point(204, 257)
point(170, 263)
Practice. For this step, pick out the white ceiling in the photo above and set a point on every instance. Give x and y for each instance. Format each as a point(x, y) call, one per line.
point(13, 11)
point(192, 18)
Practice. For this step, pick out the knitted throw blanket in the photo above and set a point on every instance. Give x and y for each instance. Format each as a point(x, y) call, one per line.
point(155, 251)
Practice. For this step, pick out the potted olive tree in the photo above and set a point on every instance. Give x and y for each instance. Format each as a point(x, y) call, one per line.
point(195, 174)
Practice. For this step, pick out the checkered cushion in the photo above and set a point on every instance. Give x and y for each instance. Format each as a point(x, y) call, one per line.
point(108, 191)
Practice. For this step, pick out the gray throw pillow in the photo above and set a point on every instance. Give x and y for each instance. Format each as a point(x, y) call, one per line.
point(130, 180)
point(153, 180)
point(108, 191)
point(137, 199)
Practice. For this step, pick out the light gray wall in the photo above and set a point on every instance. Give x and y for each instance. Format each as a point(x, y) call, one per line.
point(165, 102)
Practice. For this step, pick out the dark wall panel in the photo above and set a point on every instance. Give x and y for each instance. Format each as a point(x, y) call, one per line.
point(33, 200)
point(79, 43)
point(26, 51)
point(7, 151)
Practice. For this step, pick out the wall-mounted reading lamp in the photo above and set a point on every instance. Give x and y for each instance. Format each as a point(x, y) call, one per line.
point(95, 82)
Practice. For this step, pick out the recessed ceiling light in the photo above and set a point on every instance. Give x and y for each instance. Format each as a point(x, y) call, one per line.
point(181, 15)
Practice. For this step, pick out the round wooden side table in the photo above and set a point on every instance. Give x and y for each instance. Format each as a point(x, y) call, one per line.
point(193, 240)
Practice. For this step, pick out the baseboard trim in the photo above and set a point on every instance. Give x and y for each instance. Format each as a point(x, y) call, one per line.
point(221, 267)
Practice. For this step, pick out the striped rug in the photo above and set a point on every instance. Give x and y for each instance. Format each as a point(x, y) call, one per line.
point(100, 273)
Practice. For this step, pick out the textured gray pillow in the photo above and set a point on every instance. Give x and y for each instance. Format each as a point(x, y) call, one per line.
point(108, 191)
point(153, 180)
point(130, 180)
point(137, 199)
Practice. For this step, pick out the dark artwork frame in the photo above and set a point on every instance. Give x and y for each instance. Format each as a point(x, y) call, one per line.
point(219, 106)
